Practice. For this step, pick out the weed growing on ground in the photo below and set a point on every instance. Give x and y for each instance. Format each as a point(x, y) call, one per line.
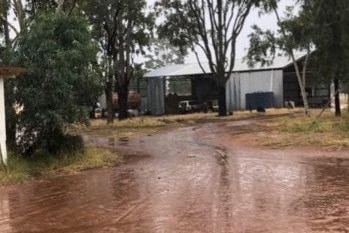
point(326, 131)
point(41, 164)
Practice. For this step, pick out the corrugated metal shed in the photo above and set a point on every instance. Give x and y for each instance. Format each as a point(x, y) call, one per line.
point(194, 68)
point(244, 80)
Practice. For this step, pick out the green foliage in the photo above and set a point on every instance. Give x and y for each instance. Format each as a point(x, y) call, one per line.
point(176, 27)
point(293, 34)
point(35, 6)
point(123, 30)
point(210, 26)
point(200, 23)
point(330, 20)
point(113, 21)
point(42, 164)
point(263, 47)
point(58, 87)
point(3, 15)
point(163, 53)
point(17, 170)
point(64, 143)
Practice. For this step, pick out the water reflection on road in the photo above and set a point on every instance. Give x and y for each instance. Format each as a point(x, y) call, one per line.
point(189, 180)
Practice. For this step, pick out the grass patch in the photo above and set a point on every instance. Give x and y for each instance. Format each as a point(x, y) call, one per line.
point(328, 131)
point(127, 128)
point(42, 165)
point(326, 124)
point(145, 125)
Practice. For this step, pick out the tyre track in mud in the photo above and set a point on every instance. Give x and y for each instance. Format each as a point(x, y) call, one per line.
point(195, 179)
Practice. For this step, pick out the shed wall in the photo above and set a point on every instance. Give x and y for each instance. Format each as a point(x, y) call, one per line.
point(244, 83)
point(156, 95)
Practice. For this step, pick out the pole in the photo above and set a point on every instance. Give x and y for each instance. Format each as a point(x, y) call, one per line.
point(2, 123)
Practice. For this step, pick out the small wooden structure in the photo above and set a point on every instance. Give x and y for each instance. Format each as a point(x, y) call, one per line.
point(5, 72)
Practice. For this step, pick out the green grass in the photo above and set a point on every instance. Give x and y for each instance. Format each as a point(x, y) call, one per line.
point(42, 165)
point(326, 124)
point(145, 125)
point(288, 131)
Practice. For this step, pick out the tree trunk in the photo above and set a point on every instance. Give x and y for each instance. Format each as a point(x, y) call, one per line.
point(5, 24)
point(7, 34)
point(222, 107)
point(300, 78)
point(336, 98)
point(123, 105)
point(109, 97)
point(20, 13)
point(59, 8)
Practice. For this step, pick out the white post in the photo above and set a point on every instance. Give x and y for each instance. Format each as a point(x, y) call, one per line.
point(2, 122)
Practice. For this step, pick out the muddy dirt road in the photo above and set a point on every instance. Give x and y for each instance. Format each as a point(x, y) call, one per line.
point(189, 180)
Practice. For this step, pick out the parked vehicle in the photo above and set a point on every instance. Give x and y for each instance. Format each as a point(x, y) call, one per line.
point(188, 106)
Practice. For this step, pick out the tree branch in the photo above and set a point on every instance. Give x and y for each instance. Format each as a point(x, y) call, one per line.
point(10, 25)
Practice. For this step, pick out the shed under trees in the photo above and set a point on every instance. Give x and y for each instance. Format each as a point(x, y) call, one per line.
point(277, 82)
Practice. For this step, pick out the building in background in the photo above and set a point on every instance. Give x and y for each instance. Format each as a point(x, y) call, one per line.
point(247, 88)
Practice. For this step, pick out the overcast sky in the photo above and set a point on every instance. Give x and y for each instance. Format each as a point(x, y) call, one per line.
point(264, 22)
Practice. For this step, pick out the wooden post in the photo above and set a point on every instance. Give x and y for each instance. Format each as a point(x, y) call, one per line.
point(5, 72)
point(2, 123)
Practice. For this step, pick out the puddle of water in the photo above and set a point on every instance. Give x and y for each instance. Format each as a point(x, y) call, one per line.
point(183, 187)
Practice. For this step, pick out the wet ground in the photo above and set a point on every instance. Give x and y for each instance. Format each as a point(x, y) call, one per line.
point(196, 179)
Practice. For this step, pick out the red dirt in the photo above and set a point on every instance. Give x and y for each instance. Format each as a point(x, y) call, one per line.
point(196, 179)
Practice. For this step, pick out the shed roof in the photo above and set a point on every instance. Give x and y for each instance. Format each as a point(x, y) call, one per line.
point(240, 66)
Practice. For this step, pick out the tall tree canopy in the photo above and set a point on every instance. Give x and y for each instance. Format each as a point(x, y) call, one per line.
point(162, 53)
point(122, 28)
point(330, 20)
point(4, 26)
point(211, 26)
point(320, 25)
point(294, 34)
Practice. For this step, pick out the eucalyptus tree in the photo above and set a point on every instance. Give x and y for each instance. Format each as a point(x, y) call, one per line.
point(162, 53)
point(330, 20)
point(123, 29)
point(23, 11)
point(26, 10)
point(210, 26)
point(4, 24)
point(294, 34)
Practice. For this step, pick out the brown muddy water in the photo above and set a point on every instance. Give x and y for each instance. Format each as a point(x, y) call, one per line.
point(189, 180)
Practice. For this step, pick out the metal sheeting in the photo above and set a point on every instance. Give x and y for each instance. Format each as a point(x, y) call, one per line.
point(244, 80)
point(156, 96)
point(178, 70)
point(194, 68)
point(244, 83)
